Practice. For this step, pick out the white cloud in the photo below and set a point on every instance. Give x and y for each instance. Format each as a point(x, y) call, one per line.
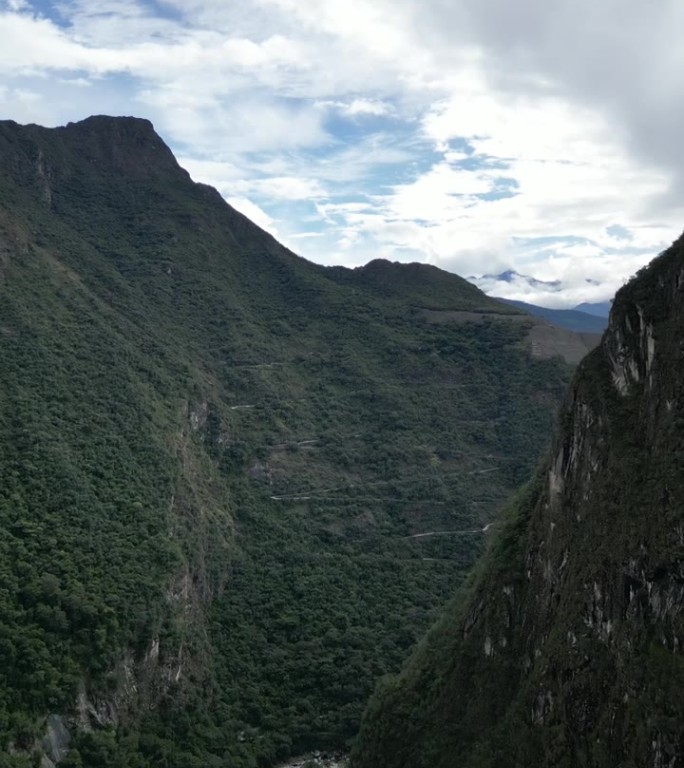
point(284, 188)
point(253, 212)
point(257, 124)
point(465, 133)
point(567, 174)
point(360, 107)
point(589, 276)
point(368, 107)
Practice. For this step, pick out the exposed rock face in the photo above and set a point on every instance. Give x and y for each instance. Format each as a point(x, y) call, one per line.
point(568, 649)
point(56, 741)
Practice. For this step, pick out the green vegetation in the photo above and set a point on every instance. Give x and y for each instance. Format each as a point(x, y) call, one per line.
point(565, 648)
point(214, 456)
point(447, 701)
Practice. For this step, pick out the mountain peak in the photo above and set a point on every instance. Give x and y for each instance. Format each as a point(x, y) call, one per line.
point(510, 276)
point(99, 122)
point(131, 132)
point(125, 145)
point(424, 285)
point(399, 269)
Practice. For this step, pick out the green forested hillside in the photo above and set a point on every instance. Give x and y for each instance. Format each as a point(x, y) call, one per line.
point(215, 458)
point(565, 649)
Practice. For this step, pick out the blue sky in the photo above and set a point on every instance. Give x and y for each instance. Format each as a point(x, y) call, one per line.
point(476, 135)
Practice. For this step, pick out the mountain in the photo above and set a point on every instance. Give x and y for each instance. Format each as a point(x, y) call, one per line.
point(511, 276)
point(566, 647)
point(572, 319)
point(599, 308)
point(236, 486)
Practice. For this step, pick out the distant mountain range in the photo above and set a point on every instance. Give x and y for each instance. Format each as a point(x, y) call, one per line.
point(599, 308)
point(578, 320)
point(511, 276)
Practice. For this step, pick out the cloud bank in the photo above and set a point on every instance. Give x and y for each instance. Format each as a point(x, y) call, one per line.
point(476, 135)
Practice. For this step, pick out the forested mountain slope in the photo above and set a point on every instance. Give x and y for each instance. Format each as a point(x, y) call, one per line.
point(216, 458)
point(566, 650)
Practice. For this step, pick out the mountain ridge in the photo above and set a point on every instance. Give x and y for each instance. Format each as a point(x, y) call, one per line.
point(572, 319)
point(598, 308)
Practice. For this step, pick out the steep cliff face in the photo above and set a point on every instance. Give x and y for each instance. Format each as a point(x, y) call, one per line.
point(567, 648)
